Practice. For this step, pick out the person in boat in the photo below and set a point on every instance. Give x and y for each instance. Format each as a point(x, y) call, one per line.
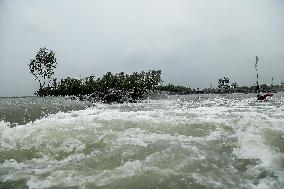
point(261, 96)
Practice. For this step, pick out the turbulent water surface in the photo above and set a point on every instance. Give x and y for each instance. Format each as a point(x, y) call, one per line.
point(199, 142)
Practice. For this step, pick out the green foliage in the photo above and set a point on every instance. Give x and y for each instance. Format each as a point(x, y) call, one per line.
point(223, 85)
point(174, 89)
point(234, 85)
point(129, 86)
point(43, 65)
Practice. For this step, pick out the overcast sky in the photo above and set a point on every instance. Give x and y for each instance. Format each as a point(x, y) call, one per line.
point(193, 42)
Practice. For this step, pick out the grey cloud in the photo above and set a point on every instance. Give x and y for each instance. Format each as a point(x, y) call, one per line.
point(194, 42)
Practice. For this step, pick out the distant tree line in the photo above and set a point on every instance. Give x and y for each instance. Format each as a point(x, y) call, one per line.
point(119, 87)
point(174, 89)
point(224, 86)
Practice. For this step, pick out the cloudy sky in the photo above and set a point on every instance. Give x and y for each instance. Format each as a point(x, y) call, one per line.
point(193, 42)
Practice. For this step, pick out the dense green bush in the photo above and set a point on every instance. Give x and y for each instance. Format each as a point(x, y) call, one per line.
point(174, 89)
point(115, 86)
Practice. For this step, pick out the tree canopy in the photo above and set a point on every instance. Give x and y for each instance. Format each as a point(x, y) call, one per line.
point(110, 87)
point(43, 65)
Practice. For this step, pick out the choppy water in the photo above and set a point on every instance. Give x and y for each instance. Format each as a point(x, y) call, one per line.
point(197, 142)
point(21, 110)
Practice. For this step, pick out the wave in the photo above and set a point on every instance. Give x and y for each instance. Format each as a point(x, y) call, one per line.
point(194, 141)
point(22, 110)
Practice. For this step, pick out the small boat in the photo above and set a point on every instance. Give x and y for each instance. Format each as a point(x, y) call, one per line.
point(261, 96)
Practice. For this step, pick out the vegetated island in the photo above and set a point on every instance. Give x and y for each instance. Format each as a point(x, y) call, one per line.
point(110, 87)
point(119, 87)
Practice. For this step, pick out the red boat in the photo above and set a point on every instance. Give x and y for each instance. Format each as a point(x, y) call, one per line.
point(260, 96)
point(264, 97)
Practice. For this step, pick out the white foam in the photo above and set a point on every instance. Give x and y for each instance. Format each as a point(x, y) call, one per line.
point(118, 125)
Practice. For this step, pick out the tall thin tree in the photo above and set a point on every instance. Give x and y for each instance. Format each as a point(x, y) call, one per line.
point(43, 65)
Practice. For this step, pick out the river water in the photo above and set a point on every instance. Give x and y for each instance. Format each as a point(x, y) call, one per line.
point(194, 141)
